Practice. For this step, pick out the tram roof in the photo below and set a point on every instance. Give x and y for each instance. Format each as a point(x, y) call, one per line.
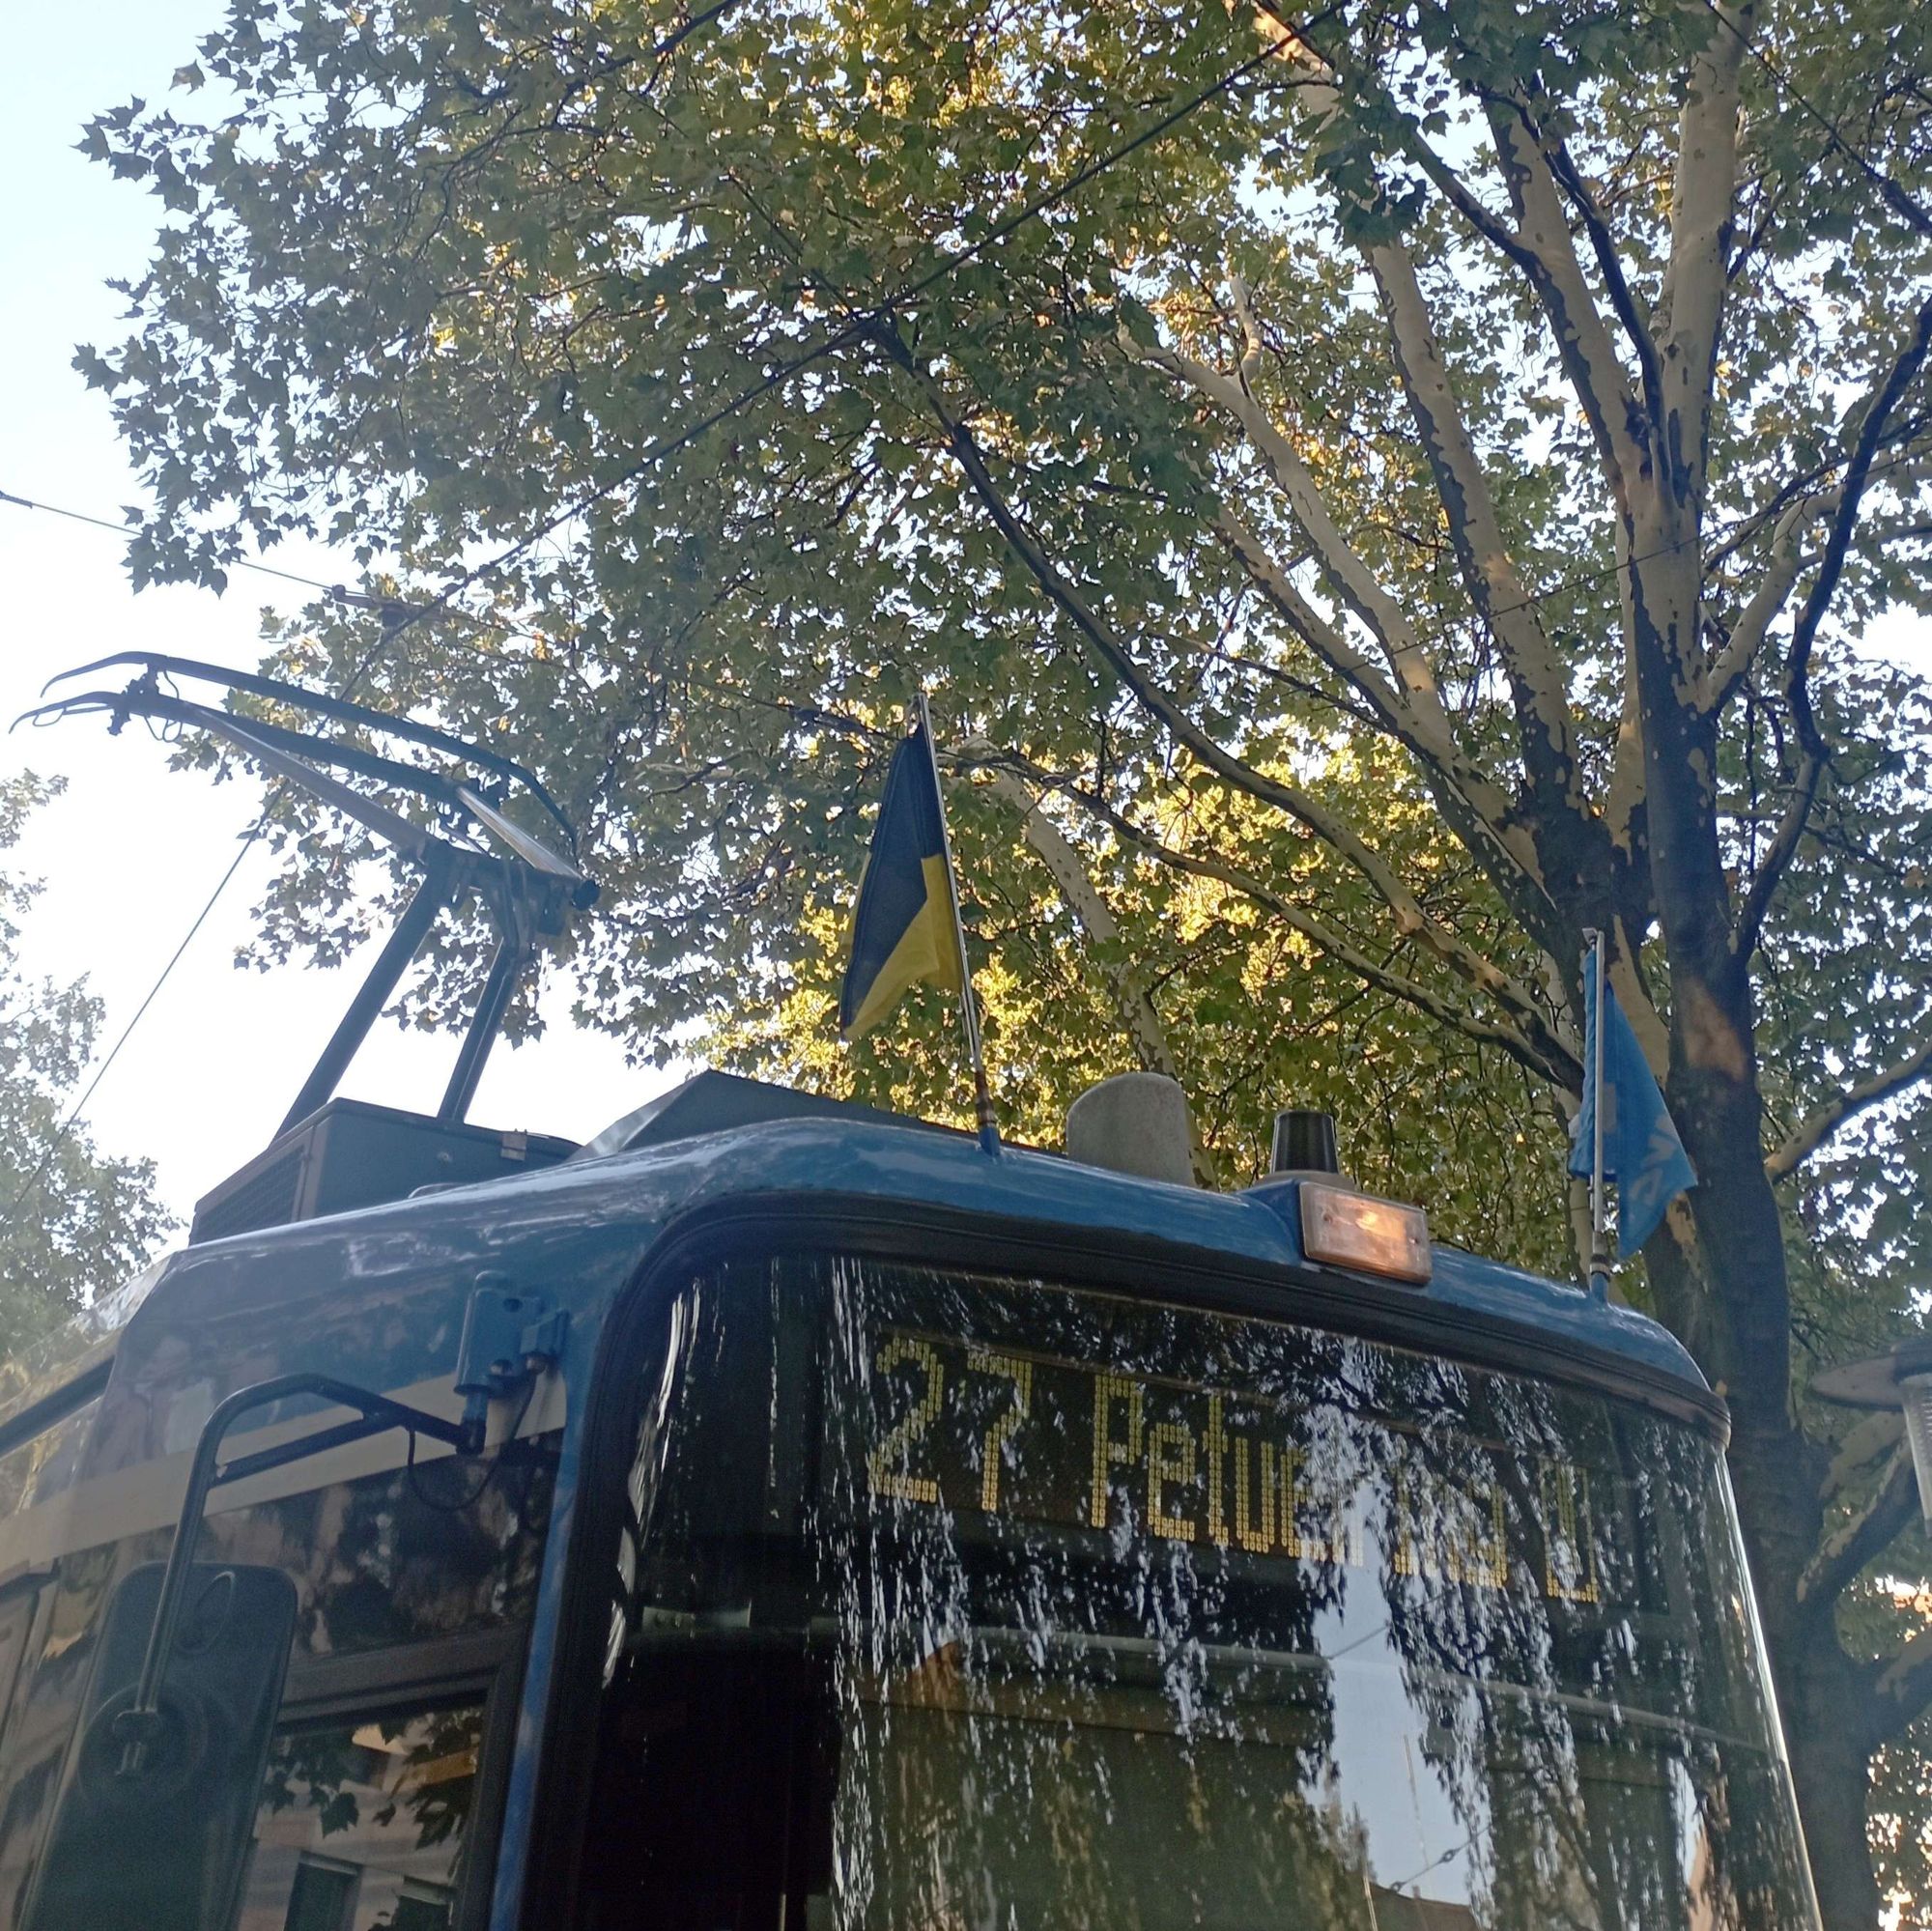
point(394, 1277)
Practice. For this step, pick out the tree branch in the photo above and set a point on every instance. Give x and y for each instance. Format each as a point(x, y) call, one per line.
point(1851, 495)
point(1352, 579)
point(1548, 1058)
point(1818, 1126)
point(1625, 795)
point(1603, 247)
point(1538, 244)
point(1473, 802)
point(1613, 408)
point(1411, 918)
point(1867, 1535)
point(1690, 303)
point(1391, 711)
point(1878, 1434)
point(1782, 565)
point(1083, 899)
point(1776, 860)
point(1539, 688)
point(1749, 925)
point(1907, 448)
point(1728, 667)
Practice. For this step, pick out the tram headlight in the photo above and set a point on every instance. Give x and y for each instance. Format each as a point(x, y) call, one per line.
point(1357, 1230)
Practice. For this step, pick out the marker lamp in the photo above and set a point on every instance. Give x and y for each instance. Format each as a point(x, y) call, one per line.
point(1357, 1230)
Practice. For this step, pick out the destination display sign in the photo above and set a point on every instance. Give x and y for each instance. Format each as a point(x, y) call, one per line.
point(1004, 1433)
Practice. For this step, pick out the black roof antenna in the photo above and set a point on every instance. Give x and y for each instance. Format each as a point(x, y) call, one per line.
point(526, 888)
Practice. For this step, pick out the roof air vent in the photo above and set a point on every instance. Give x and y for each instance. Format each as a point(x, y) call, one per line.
point(1133, 1124)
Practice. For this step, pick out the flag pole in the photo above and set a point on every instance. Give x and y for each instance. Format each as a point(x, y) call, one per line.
point(1599, 1248)
point(969, 1012)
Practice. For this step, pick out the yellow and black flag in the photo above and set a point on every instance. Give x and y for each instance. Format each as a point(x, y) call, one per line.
point(905, 931)
point(906, 928)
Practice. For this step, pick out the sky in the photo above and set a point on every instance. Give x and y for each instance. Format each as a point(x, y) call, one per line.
point(130, 854)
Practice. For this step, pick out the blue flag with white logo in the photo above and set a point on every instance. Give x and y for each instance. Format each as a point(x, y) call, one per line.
point(1641, 1150)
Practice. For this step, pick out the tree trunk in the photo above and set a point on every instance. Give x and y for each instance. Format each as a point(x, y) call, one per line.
point(1776, 1471)
point(1824, 1698)
point(1730, 1299)
point(1820, 1693)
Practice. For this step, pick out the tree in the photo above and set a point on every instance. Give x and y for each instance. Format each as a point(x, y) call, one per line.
point(1376, 496)
point(75, 1222)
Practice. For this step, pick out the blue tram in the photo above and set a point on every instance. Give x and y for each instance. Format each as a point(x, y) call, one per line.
point(779, 1517)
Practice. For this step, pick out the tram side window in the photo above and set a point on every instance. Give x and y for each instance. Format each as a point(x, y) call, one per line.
point(364, 1821)
point(32, 1476)
point(16, 1619)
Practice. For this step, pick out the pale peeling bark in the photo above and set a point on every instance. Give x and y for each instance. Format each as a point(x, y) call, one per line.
point(1559, 852)
point(1732, 663)
point(1623, 801)
point(1785, 561)
point(1422, 732)
point(1652, 1034)
point(1848, 1549)
point(1623, 795)
point(1904, 1688)
point(1538, 243)
point(1703, 196)
point(1877, 1434)
point(1420, 735)
point(1590, 853)
point(1662, 517)
point(1624, 300)
point(1476, 807)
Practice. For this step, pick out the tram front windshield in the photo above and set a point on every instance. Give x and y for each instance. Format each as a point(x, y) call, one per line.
point(949, 1603)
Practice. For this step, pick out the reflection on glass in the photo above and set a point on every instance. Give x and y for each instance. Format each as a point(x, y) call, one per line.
point(394, 1557)
point(953, 1605)
point(41, 1468)
point(361, 1824)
